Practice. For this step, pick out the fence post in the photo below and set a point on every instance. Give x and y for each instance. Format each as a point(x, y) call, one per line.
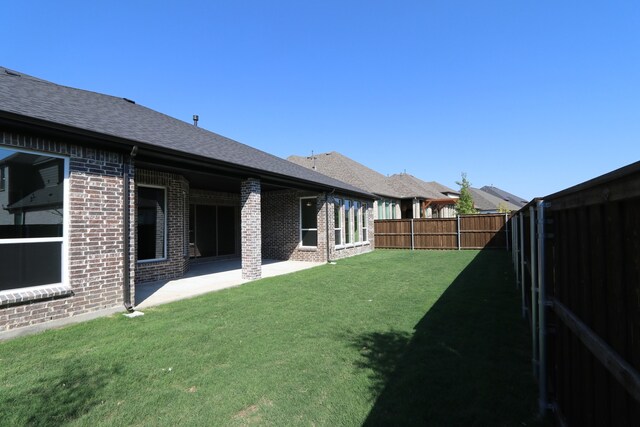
point(506, 230)
point(534, 292)
point(524, 308)
point(458, 228)
point(516, 249)
point(412, 243)
point(542, 306)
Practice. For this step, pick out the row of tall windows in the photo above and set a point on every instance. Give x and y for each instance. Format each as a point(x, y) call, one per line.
point(350, 222)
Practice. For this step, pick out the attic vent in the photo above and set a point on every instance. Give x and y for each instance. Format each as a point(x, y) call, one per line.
point(11, 73)
point(129, 100)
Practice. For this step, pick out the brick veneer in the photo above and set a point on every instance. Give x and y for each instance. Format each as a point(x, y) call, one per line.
point(281, 228)
point(251, 229)
point(177, 256)
point(94, 237)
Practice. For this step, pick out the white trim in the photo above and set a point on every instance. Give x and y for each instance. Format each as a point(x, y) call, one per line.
point(66, 221)
point(166, 224)
point(32, 240)
point(300, 229)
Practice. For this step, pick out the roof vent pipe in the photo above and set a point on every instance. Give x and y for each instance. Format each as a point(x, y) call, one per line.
point(313, 159)
point(195, 120)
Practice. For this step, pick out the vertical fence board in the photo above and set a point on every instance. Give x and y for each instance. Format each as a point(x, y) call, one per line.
point(476, 232)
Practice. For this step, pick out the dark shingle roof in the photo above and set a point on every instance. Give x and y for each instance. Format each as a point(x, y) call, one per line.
point(340, 167)
point(507, 197)
point(113, 116)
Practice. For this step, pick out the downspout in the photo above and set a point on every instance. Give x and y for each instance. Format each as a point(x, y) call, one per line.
point(126, 232)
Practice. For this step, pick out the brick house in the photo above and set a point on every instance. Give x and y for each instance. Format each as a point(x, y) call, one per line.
point(98, 194)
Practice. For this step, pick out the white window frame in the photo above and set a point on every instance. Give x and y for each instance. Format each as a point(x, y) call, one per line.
point(365, 222)
point(357, 226)
point(64, 240)
point(307, 229)
point(337, 204)
point(166, 224)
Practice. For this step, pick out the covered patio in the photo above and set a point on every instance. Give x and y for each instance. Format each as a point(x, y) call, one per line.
point(207, 277)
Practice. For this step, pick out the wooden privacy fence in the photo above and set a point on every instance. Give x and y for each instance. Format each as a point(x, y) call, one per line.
point(577, 260)
point(463, 232)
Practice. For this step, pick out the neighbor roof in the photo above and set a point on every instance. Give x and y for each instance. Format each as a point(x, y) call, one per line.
point(507, 197)
point(410, 186)
point(28, 99)
point(488, 202)
point(341, 167)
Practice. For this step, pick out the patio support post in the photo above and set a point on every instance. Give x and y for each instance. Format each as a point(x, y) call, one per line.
point(251, 229)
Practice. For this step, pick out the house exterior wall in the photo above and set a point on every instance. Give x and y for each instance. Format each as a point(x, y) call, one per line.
point(94, 237)
point(281, 227)
point(251, 228)
point(176, 262)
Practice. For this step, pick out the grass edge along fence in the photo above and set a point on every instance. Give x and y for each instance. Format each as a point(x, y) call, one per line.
point(481, 231)
point(576, 255)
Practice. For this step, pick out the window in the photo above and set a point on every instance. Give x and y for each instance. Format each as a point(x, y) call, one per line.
point(356, 222)
point(380, 204)
point(152, 223)
point(32, 213)
point(393, 210)
point(364, 223)
point(338, 214)
point(348, 236)
point(308, 222)
point(387, 209)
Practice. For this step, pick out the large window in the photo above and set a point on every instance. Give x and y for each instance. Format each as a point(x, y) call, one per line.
point(338, 214)
point(356, 222)
point(364, 222)
point(152, 223)
point(348, 235)
point(308, 222)
point(31, 219)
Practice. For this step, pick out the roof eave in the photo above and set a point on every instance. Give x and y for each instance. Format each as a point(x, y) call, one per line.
point(124, 145)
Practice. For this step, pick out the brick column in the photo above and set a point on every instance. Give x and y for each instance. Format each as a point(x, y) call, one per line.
point(251, 229)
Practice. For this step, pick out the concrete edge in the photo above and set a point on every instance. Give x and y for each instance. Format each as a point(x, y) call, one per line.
point(59, 323)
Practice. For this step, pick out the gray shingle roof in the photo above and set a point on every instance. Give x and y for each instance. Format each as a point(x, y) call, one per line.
point(343, 168)
point(34, 98)
point(488, 202)
point(507, 197)
point(410, 186)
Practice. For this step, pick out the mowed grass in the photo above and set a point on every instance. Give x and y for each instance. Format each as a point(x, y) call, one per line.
point(391, 337)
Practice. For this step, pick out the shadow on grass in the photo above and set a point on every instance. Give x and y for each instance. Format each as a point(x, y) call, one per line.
point(60, 398)
point(467, 363)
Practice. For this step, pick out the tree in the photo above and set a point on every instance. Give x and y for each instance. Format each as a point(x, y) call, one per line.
point(464, 205)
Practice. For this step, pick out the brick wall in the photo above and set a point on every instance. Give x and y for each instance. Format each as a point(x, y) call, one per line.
point(94, 238)
point(251, 228)
point(281, 228)
point(177, 259)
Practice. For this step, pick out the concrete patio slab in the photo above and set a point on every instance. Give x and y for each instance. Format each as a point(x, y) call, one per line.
point(208, 277)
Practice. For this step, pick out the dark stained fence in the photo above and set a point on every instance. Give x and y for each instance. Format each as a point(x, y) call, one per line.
point(580, 282)
point(464, 232)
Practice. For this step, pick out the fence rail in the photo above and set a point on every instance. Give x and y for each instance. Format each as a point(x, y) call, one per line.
point(462, 232)
point(577, 258)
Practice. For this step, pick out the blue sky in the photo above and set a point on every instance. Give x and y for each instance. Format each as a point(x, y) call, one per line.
point(531, 96)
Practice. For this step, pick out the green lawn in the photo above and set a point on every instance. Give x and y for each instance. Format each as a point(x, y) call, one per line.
point(391, 337)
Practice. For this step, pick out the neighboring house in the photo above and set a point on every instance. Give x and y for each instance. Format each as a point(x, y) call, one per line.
point(335, 165)
point(425, 199)
point(98, 194)
point(507, 197)
point(488, 203)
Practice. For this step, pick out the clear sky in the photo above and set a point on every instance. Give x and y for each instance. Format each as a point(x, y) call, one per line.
point(531, 96)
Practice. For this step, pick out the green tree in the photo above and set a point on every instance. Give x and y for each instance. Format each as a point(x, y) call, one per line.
point(464, 205)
